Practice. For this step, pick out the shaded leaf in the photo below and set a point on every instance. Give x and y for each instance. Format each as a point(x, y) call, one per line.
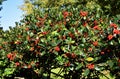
point(86, 72)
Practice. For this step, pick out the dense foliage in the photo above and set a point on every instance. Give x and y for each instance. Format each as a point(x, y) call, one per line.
point(81, 42)
point(109, 7)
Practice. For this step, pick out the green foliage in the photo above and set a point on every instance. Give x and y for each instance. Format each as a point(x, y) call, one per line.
point(27, 7)
point(109, 7)
point(81, 42)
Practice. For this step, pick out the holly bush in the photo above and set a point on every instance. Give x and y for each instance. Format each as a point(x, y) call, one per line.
point(80, 42)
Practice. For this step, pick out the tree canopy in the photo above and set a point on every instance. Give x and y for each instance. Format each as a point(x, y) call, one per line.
point(111, 7)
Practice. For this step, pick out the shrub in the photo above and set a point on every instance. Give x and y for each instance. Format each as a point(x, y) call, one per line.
point(80, 42)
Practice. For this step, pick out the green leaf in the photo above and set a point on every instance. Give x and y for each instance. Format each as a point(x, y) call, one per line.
point(64, 49)
point(31, 34)
point(49, 21)
point(79, 52)
point(73, 48)
point(59, 41)
point(53, 44)
point(86, 72)
point(28, 47)
point(83, 40)
point(55, 33)
point(110, 63)
point(2, 63)
point(72, 42)
point(97, 68)
point(119, 41)
point(9, 71)
point(59, 58)
point(111, 43)
point(79, 66)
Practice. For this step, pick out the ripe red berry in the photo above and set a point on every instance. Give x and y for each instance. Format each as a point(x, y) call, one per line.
point(110, 37)
point(65, 14)
point(113, 25)
point(17, 64)
point(95, 43)
point(9, 55)
point(97, 27)
point(57, 48)
point(102, 53)
point(115, 31)
point(90, 66)
point(83, 13)
point(44, 33)
point(73, 55)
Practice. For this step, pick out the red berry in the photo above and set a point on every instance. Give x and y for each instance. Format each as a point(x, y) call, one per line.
point(44, 33)
point(73, 55)
point(90, 49)
point(71, 35)
point(65, 14)
point(9, 55)
point(113, 25)
point(63, 37)
point(115, 31)
point(90, 66)
point(17, 64)
point(97, 27)
point(102, 53)
point(83, 13)
point(67, 64)
point(67, 55)
point(110, 37)
point(57, 48)
point(95, 43)
point(119, 60)
point(29, 66)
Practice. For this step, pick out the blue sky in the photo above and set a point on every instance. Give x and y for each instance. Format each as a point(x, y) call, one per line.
point(10, 13)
